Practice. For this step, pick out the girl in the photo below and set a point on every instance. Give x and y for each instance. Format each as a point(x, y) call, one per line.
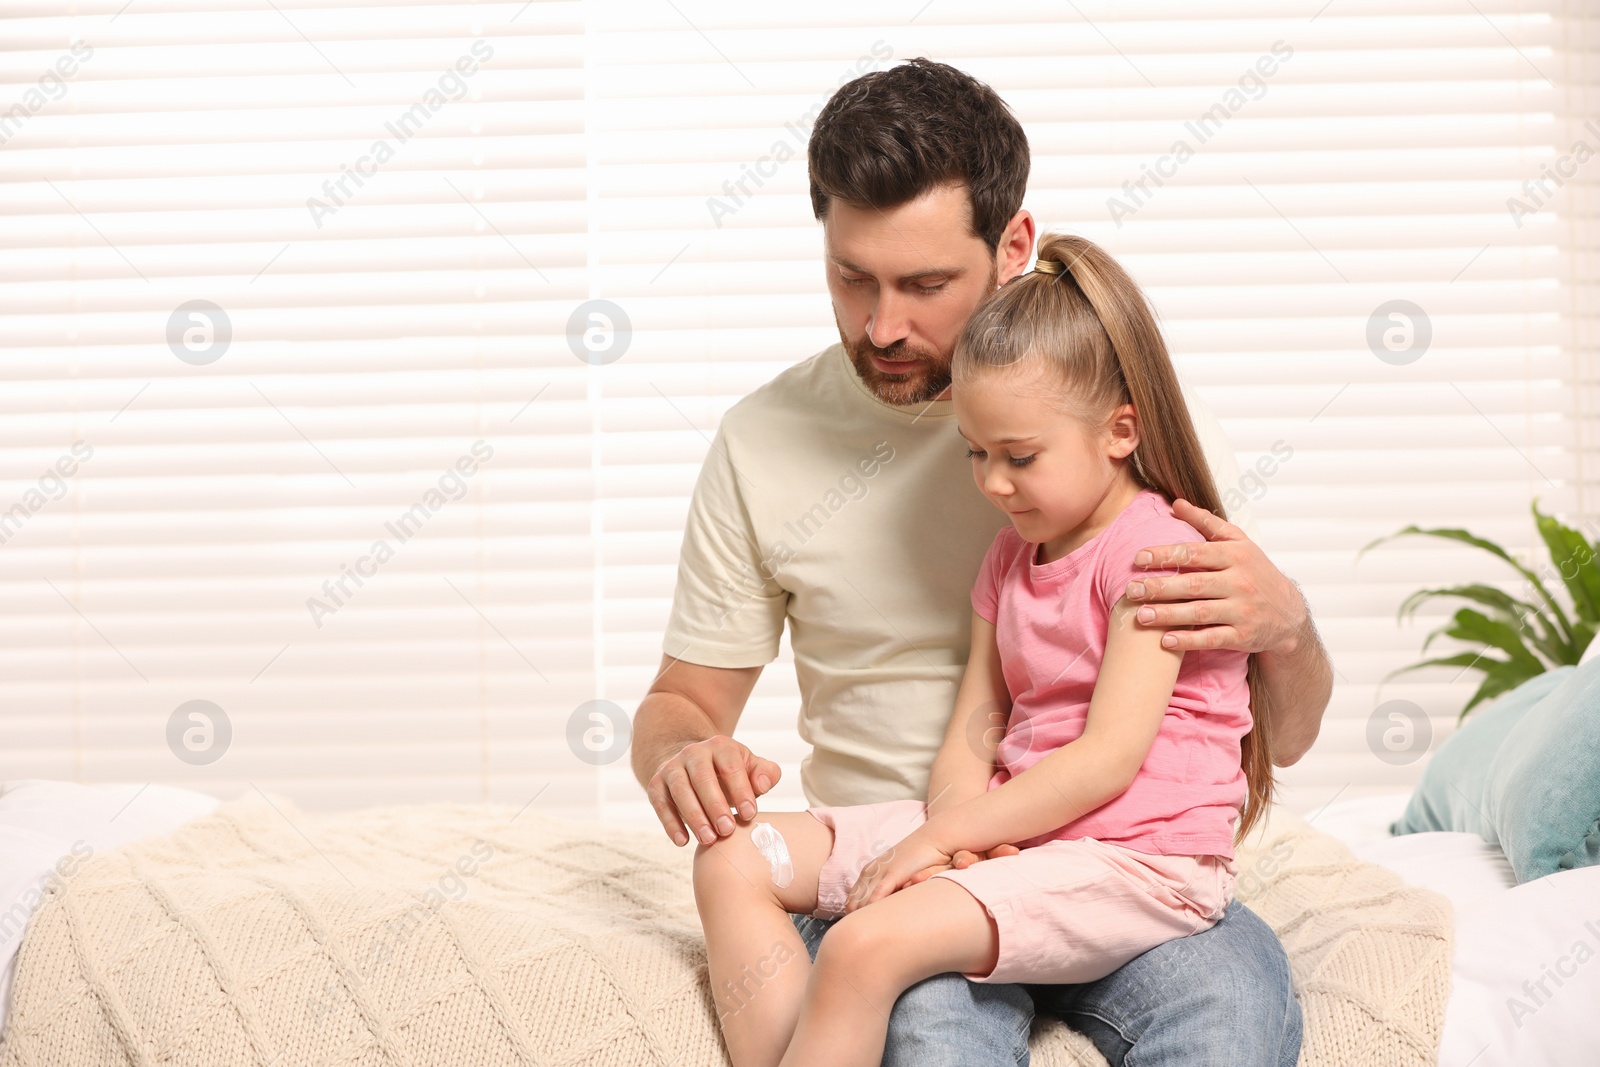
point(1126, 771)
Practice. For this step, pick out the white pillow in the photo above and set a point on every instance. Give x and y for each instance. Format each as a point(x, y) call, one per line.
point(48, 828)
point(1527, 976)
point(1463, 867)
point(1592, 652)
point(1505, 935)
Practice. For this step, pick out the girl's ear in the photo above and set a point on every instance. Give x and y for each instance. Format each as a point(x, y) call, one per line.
point(1123, 428)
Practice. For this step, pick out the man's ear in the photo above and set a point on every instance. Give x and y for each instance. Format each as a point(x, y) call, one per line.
point(1123, 430)
point(1015, 252)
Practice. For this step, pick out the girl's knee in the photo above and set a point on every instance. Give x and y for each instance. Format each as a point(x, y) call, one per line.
point(777, 858)
point(856, 941)
point(733, 860)
point(752, 858)
point(858, 959)
point(920, 931)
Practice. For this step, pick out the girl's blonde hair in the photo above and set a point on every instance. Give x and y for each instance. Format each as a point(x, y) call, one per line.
point(1092, 327)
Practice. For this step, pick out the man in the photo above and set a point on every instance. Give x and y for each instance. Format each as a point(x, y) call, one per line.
point(837, 497)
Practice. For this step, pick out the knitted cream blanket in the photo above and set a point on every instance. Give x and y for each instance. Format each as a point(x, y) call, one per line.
point(445, 934)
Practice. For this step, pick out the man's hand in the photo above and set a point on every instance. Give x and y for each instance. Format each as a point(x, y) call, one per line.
point(962, 860)
point(1232, 595)
point(709, 783)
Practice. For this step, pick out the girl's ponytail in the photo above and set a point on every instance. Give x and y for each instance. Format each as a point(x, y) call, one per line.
point(1171, 461)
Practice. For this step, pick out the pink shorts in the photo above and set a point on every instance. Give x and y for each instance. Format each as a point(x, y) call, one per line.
point(1067, 911)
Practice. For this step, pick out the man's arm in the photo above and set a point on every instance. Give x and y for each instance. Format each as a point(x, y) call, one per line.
point(1234, 597)
point(683, 753)
point(1299, 680)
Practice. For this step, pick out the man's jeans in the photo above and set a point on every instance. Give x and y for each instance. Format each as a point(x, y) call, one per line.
point(1221, 997)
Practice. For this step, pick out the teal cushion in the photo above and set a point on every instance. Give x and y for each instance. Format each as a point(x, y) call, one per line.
point(1544, 783)
point(1452, 792)
point(1524, 774)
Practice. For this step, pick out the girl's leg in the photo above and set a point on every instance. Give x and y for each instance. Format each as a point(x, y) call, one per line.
point(876, 953)
point(757, 960)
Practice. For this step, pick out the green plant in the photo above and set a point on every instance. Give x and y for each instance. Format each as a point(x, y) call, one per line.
point(1533, 636)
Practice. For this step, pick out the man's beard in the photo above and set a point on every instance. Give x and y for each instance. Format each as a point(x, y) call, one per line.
point(927, 377)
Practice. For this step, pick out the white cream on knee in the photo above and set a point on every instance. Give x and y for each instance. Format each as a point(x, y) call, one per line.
point(770, 843)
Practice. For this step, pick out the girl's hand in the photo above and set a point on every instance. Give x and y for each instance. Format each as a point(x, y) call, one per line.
point(914, 859)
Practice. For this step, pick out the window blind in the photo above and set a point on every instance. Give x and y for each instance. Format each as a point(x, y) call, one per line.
point(346, 499)
point(403, 497)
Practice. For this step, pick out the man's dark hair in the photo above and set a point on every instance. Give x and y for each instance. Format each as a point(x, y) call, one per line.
point(888, 137)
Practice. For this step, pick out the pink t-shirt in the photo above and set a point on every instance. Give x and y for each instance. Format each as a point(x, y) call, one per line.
point(1050, 625)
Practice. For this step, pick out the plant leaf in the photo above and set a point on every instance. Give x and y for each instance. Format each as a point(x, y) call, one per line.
point(1470, 625)
point(1452, 534)
point(1584, 634)
point(1487, 595)
point(1505, 608)
point(1499, 677)
point(1574, 560)
point(1466, 538)
point(1459, 659)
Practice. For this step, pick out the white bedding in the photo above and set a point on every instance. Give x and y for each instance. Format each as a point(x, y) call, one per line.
point(1547, 931)
point(47, 828)
point(1508, 940)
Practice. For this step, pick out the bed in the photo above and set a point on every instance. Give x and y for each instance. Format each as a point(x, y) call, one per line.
point(163, 927)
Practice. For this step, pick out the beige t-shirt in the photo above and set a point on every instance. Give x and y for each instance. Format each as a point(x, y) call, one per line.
point(860, 523)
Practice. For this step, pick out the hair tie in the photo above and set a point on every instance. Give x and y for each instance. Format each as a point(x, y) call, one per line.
point(1049, 266)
